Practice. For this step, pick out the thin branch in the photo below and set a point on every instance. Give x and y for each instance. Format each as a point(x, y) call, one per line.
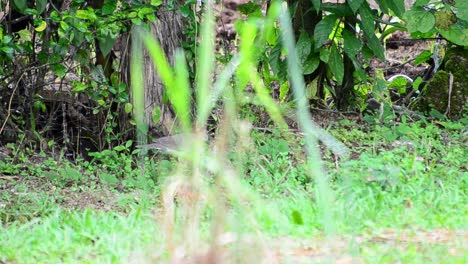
point(9, 103)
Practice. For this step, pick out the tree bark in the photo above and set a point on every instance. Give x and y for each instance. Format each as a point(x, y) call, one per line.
point(168, 30)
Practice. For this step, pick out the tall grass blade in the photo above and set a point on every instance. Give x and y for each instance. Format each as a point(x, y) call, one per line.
point(325, 196)
point(248, 72)
point(180, 94)
point(206, 65)
point(176, 82)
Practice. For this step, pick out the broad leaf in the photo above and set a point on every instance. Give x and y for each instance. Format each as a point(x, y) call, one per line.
point(421, 2)
point(106, 44)
point(367, 19)
point(316, 4)
point(462, 7)
point(457, 33)
point(423, 57)
point(59, 69)
point(303, 46)
point(355, 4)
point(284, 91)
point(311, 64)
point(396, 6)
point(20, 5)
point(323, 29)
point(338, 9)
point(274, 58)
point(25, 35)
point(41, 6)
point(324, 54)
point(336, 64)
point(352, 45)
point(418, 19)
point(41, 27)
point(108, 7)
point(250, 9)
point(376, 46)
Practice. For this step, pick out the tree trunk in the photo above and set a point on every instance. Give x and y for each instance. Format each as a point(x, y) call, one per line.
point(168, 30)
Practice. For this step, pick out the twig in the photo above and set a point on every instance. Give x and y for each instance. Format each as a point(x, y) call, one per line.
point(9, 103)
point(400, 65)
point(66, 139)
point(4, 177)
point(341, 113)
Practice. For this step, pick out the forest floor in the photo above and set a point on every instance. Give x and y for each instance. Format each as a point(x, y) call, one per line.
point(401, 197)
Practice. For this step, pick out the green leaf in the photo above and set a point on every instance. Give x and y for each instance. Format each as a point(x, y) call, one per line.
point(119, 148)
point(79, 87)
point(39, 106)
point(108, 7)
point(323, 30)
point(376, 46)
point(358, 69)
point(156, 115)
point(156, 2)
point(86, 14)
point(355, 4)
point(72, 174)
point(336, 64)
point(107, 178)
point(250, 9)
point(396, 6)
point(462, 8)
point(128, 108)
point(367, 19)
point(275, 58)
point(457, 33)
point(59, 69)
point(106, 44)
point(418, 19)
point(423, 57)
point(297, 217)
point(284, 91)
point(311, 64)
point(128, 144)
point(352, 45)
point(20, 5)
point(41, 5)
point(417, 83)
point(64, 25)
point(82, 56)
point(324, 54)
point(340, 10)
point(25, 35)
point(303, 46)
point(316, 4)
point(421, 2)
point(42, 26)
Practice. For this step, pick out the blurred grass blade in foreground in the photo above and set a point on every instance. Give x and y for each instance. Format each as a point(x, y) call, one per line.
point(325, 196)
point(137, 88)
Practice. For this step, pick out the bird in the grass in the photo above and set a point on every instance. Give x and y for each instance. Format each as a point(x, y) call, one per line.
point(172, 144)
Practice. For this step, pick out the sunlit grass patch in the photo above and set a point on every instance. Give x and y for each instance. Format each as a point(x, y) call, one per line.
point(78, 236)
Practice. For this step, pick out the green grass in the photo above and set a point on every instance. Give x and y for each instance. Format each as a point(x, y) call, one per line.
point(78, 236)
point(399, 180)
